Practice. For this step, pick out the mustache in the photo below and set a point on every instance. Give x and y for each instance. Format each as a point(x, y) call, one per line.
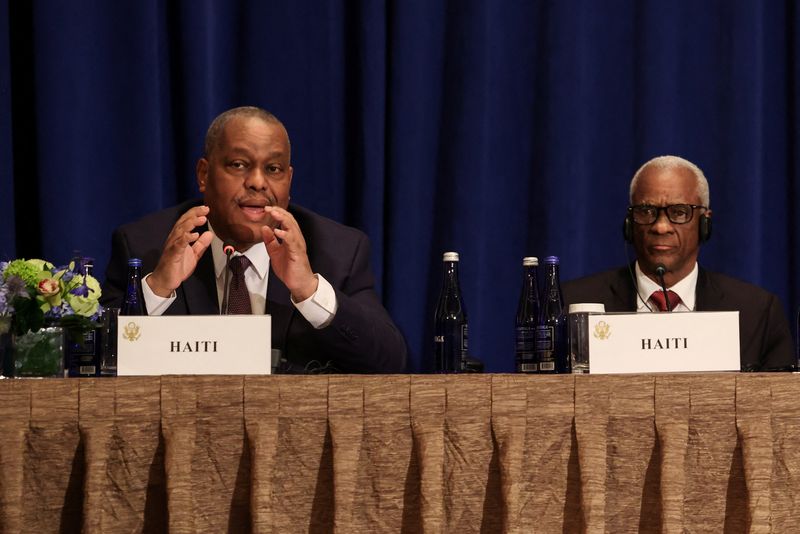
point(267, 200)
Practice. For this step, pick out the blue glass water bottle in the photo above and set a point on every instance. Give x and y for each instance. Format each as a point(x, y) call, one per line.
point(551, 334)
point(82, 356)
point(527, 318)
point(450, 325)
point(134, 298)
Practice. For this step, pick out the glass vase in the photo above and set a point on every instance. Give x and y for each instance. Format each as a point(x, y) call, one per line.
point(5, 346)
point(36, 354)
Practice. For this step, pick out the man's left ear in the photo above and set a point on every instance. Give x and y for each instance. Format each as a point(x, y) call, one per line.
point(201, 171)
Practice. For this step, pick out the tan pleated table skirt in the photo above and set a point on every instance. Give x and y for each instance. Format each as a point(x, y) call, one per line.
point(469, 453)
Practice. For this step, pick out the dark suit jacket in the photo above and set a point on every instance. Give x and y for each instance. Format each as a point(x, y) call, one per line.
point(361, 337)
point(765, 341)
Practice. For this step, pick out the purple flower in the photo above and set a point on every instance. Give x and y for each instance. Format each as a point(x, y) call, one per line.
point(57, 312)
point(15, 286)
point(81, 290)
point(5, 307)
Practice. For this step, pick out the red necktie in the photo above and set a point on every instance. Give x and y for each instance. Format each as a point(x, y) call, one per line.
point(238, 296)
point(661, 302)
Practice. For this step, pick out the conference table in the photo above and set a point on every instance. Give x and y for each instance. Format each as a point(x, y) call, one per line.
point(402, 453)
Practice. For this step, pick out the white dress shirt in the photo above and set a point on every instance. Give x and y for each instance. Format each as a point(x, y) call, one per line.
point(685, 290)
point(318, 309)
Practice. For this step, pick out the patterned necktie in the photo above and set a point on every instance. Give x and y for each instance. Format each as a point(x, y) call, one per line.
point(661, 302)
point(238, 296)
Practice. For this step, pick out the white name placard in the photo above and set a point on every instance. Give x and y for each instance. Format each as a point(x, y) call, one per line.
point(663, 342)
point(194, 345)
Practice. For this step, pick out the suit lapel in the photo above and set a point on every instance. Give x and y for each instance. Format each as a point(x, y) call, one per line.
point(200, 289)
point(624, 291)
point(279, 303)
point(707, 292)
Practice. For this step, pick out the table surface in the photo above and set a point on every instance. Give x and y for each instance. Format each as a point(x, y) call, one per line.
point(401, 453)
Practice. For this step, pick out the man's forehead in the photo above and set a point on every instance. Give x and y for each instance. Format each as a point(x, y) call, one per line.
point(672, 181)
point(244, 134)
point(256, 125)
point(235, 149)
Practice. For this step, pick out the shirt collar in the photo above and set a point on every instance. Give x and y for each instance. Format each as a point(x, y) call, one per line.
point(685, 288)
point(257, 254)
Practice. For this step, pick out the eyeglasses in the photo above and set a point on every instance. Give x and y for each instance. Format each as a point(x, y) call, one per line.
point(676, 213)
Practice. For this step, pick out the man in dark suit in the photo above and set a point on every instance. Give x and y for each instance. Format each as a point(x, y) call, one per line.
point(324, 319)
point(668, 218)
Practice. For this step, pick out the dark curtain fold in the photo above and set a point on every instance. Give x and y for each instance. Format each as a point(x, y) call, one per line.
point(496, 129)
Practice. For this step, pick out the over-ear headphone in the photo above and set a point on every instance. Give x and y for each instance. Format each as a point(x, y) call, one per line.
point(704, 228)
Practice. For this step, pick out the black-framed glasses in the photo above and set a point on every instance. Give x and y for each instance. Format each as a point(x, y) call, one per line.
point(676, 213)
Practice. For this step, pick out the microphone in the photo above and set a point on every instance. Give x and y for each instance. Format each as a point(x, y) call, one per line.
point(227, 248)
point(660, 272)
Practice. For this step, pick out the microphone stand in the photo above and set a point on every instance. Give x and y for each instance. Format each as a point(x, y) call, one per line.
point(228, 250)
point(660, 272)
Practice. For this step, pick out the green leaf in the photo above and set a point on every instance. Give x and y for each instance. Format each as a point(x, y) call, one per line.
point(27, 316)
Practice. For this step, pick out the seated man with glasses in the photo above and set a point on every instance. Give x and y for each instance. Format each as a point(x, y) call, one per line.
point(669, 217)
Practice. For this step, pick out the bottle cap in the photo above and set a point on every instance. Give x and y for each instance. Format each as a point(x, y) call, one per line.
point(134, 262)
point(551, 260)
point(450, 256)
point(587, 307)
point(529, 261)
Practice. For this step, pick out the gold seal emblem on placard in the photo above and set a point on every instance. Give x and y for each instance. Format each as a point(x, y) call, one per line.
point(131, 331)
point(602, 330)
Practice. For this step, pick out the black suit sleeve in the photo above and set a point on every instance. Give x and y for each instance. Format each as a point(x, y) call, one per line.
point(361, 337)
point(777, 348)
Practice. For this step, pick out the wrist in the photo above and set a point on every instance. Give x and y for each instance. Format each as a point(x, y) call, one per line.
point(162, 290)
point(305, 290)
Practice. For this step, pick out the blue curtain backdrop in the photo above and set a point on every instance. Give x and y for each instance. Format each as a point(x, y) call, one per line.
point(497, 129)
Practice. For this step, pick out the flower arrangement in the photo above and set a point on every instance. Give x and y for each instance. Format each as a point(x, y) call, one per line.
point(35, 293)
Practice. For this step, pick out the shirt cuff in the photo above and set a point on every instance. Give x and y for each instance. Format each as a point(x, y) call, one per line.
point(320, 308)
point(155, 305)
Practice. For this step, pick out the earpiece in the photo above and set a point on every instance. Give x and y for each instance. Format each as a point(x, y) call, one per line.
point(705, 228)
point(627, 229)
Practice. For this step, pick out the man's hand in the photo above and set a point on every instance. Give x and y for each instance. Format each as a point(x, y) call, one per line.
point(288, 257)
point(182, 249)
